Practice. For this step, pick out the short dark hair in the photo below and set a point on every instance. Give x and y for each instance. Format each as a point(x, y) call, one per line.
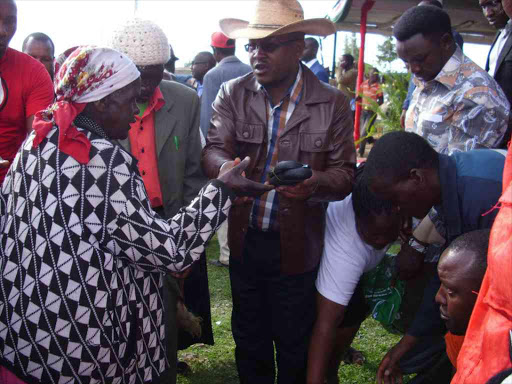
point(349, 58)
point(396, 153)
point(314, 41)
point(39, 36)
point(225, 51)
point(435, 3)
point(208, 56)
point(427, 20)
point(477, 242)
point(366, 204)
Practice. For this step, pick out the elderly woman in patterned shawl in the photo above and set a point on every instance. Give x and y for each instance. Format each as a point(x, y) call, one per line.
point(82, 254)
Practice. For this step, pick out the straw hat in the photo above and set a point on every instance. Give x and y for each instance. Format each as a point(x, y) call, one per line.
point(273, 18)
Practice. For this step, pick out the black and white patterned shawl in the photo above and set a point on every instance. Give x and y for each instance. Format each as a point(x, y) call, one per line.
point(82, 257)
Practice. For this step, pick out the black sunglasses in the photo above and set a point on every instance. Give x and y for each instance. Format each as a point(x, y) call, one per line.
point(267, 46)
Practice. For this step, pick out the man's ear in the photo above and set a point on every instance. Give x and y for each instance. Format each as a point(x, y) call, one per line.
point(417, 177)
point(446, 41)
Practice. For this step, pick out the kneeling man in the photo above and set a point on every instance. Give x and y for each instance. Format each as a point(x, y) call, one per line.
point(358, 229)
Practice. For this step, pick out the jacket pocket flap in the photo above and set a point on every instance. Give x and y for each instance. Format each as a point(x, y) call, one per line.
point(315, 142)
point(249, 133)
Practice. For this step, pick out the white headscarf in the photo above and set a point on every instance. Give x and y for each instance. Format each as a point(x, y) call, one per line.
point(88, 74)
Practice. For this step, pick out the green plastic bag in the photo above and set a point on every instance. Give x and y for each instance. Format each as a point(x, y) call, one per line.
point(383, 293)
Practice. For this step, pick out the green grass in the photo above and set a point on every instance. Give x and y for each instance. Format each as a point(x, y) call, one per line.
point(216, 364)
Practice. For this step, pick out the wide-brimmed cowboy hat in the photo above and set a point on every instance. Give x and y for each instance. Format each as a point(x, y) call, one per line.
point(273, 18)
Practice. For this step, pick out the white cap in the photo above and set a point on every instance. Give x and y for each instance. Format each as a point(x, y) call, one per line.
point(142, 41)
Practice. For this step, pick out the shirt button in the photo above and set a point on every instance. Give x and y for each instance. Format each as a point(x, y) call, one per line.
point(142, 150)
point(245, 135)
point(318, 143)
point(143, 173)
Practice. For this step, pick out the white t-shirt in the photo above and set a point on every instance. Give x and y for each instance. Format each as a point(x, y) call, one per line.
point(346, 257)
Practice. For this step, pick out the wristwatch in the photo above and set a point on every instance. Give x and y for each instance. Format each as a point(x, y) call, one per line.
point(418, 245)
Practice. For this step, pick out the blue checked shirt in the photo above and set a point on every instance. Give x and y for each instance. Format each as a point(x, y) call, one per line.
point(265, 208)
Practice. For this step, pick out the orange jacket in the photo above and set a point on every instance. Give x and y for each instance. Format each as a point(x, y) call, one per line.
point(487, 345)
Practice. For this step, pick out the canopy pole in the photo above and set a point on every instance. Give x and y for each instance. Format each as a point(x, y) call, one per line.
point(333, 73)
point(360, 68)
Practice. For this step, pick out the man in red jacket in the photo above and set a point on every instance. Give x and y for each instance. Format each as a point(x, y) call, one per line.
point(25, 88)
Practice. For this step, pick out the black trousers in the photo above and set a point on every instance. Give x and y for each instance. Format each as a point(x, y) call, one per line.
point(270, 310)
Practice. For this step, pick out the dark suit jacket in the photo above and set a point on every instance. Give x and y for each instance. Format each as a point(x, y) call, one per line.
point(503, 75)
point(319, 71)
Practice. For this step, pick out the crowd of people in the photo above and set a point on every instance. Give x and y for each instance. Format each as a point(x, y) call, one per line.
point(116, 172)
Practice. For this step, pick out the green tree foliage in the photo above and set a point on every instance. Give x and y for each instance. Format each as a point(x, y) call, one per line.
point(394, 86)
point(386, 53)
point(350, 46)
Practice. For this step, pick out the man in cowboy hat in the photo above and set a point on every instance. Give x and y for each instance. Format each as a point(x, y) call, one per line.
point(279, 112)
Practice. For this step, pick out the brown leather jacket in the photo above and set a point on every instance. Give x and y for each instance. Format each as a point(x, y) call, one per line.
point(318, 133)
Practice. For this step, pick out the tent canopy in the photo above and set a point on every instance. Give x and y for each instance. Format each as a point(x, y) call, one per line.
point(466, 15)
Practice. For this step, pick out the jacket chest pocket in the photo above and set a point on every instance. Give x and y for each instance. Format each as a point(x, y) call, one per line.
point(249, 139)
point(249, 133)
point(315, 147)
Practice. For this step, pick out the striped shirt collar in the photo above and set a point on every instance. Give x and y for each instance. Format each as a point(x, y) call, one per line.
point(264, 215)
